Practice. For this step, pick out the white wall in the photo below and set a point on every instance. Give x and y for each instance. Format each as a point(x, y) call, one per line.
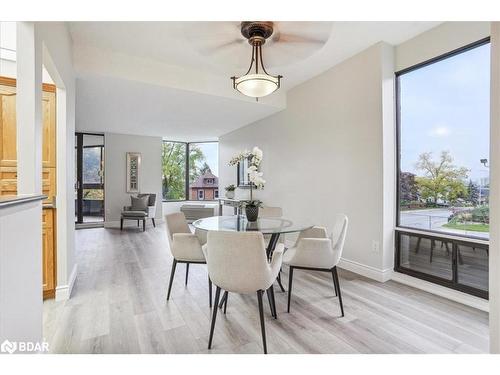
point(57, 58)
point(116, 147)
point(494, 254)
point(324, 153)
point(20, 272)
point(438, 41)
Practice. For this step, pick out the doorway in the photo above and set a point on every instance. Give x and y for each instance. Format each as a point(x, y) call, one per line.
point(89, 179)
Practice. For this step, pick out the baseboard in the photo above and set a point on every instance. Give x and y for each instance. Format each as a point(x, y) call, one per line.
point(439, 290)
point(63, 292)
point(364, 270)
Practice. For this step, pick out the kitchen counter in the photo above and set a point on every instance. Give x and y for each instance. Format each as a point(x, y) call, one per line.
point(14, 200)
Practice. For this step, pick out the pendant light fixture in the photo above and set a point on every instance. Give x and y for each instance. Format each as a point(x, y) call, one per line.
point(256, 82)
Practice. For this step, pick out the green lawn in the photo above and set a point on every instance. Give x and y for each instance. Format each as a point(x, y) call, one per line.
point(469, 227)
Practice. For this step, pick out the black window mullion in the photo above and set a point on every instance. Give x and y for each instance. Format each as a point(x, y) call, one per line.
point(187, 172)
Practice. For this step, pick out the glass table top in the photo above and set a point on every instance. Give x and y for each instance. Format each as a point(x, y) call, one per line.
point(241, 224)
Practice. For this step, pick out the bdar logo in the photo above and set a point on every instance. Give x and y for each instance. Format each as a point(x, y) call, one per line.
point(8, 347)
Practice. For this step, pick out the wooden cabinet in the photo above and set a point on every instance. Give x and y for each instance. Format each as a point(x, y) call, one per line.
point(8, 154)
point(49, 128)
point(48, 254)
point(8, 180)
point(8, 168)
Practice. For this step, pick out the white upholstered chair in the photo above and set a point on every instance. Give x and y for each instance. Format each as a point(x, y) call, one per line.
point(314, 250)
point(237, 263)
point(185, 246)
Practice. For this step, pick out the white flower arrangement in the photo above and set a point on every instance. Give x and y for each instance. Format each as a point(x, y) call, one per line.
point(254, 159)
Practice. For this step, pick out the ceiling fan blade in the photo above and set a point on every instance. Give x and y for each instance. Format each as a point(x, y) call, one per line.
point(291, 38)
point(223, 46)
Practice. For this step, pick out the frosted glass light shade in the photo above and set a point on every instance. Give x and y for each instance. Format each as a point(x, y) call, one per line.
point(256, 85)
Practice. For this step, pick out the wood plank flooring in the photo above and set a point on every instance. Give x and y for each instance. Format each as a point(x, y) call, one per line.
point(118, 306)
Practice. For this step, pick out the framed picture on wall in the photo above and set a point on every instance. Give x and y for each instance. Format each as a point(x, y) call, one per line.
point(133, 169)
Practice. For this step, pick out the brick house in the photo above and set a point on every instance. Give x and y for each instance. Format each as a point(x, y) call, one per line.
point(206, 187)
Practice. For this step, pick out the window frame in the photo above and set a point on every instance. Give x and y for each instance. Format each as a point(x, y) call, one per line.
point(397, 75)
point(454, 239)
point(186, 170)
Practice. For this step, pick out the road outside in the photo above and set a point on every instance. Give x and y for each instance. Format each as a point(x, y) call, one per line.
point(434, 219)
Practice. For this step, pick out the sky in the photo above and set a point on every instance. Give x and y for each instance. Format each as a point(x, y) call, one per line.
point(211, 152)
point(445, 106)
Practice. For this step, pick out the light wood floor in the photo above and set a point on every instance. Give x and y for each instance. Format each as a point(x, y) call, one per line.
point(118, 306)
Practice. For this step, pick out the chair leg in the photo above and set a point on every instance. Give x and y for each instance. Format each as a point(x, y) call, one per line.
point(214, 317)
point(225, 303)
point(223, 299)
point(137, 222)
point(153, 220)
point(174, 265)
point(187, 273)
point(262, 324)
point(279, 282)
point(143, 225)
point(334, 284)
point(338, 289)
point(272, 302)
point(290, 280)
point(121, 224)
point(210, 292)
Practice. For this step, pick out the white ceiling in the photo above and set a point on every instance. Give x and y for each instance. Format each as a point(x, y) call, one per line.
point(169, 79)
point(120, 106)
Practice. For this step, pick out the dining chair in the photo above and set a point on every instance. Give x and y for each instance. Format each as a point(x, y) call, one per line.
point(237, 263)
point(185, 246)
point(315, 251)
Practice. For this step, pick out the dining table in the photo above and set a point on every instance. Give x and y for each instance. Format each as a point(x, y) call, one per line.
point(269, 226)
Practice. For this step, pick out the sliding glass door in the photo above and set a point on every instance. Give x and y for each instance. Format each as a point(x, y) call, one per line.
point(89, 178)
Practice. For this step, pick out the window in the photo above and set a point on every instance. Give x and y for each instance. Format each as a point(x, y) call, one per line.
point(203, 169)
point(190, 170)
point(174, 170)
point(216, 193)
point(443, 176)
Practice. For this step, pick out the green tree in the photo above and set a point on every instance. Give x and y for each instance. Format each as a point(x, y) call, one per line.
point(196, 160)
point(174, 167)
point(442, 179)
point(473, 193)
point(205, 168)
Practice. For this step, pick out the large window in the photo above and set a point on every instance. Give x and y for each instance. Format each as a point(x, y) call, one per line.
point(443, 181)
point(190, 170)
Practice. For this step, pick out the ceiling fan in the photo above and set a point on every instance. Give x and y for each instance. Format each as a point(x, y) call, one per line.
point(257, 82)
point(226, 46)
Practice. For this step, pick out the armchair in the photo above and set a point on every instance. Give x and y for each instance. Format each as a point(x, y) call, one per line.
point(315, 251)
point(237, 263)
point(140, 213)
point(185, 247)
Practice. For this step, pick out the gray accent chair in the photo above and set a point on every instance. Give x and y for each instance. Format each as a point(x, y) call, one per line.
point(149, 212)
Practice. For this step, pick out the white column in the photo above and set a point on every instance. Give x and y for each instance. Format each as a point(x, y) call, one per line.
point(29, 110)
point(389, 158)
point(494, 253)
